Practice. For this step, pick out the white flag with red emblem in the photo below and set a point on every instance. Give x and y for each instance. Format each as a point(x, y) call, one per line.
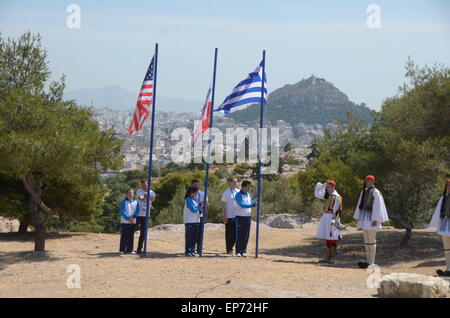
point(202, 122)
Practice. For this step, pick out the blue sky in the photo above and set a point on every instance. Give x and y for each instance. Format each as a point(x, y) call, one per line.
point(327, 38)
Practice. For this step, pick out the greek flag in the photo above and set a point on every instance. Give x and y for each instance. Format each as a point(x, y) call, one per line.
point(247, 91)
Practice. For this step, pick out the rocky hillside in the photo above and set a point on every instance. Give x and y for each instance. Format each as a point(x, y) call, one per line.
point(312, 101)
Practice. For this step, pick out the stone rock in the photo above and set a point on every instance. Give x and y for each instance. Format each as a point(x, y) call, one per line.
point(284, 221)
point(168, 227)
point(407, 285)
point(8, 225)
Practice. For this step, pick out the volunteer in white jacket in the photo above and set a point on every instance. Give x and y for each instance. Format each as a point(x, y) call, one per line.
point(191, 216)
point(229, 206)
point(332, 209)
point(243, 218)
point(129, 210)
point(370, 213)
point(441, 221)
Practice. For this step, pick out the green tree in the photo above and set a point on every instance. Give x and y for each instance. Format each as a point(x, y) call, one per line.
point(288, 147)
point(53, 147)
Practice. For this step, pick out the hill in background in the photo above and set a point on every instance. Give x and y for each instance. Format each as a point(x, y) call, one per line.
point(312, 101)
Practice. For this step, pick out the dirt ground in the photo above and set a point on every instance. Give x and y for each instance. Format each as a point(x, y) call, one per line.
point(287, 265)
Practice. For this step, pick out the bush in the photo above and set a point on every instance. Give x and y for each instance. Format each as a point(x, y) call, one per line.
point(81, 226)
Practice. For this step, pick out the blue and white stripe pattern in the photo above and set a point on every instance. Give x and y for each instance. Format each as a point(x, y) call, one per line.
point(247, 91)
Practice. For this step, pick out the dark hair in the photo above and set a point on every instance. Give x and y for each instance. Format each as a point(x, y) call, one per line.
point(194, 181)
point(189, 191)
point(444, 198)
point(232, 178)
point(246, 183)
point(143, 180)
point(130, 189)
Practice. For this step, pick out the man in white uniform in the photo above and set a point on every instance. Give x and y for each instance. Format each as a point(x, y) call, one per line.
point(370, 213)
point(142, 197)
point(229, 205)
point(332, 209)
point(441, 221)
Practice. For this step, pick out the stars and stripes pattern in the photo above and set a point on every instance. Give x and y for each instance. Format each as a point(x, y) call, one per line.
point(202, 122)
point(247, 91)
point(144, 102)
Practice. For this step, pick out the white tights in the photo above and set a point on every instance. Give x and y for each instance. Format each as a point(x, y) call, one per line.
point(371, 245)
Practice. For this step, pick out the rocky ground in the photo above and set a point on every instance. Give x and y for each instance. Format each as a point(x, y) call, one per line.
point(287, 265)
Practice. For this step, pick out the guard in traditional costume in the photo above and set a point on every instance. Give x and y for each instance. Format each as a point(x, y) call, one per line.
point(327, 229)
point(370, 213)
point(441, 221)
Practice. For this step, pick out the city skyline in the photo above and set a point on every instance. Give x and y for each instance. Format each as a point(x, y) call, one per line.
point(114, 43)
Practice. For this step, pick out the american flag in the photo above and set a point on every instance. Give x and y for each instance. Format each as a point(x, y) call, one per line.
point(144, 102)
point(202, 121)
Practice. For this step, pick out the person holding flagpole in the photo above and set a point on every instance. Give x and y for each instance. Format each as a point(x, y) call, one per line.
point(199, 198)
point(229, 207)
point(245, 203)
point(142, 197)
point(191, 217)
point(146, 102)
point(251, 90)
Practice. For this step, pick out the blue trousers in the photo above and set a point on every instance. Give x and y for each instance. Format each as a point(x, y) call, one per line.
point(230, 234)
point(126, 237)
point(243, 224)
point(190, 237)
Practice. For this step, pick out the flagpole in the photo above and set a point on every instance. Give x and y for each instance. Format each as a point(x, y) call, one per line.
point(202, 220)
point(261, 119)
point(149, 183)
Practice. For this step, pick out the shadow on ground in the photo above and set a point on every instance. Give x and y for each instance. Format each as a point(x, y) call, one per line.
point(425, 246)
point(29, 236)
point(10, 258)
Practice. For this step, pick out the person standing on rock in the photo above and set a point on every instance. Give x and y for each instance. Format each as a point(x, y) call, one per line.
point(142, 197)
point(129, 210)
point(332, 209)
point(229, 206)
point(441, 221)
point(245, 203)
point(370, 213)
point(191, 217)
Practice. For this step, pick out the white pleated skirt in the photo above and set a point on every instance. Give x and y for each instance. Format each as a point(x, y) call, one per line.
point(441, 224)
point(365, 221)
point(326, 231)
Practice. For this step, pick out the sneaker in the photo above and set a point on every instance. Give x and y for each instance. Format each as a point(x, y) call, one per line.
point(230, 252)
point(121, 253)
point(244, 254)
point(238, 255)
point(133, 253)
point(139, 252)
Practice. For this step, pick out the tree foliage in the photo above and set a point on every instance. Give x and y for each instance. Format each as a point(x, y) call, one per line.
point(52, 147)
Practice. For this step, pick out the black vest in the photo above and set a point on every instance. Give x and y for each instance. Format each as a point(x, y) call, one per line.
point(445, 208)
point(367, 199)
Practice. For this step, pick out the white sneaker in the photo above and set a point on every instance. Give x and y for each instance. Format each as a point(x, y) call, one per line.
point(244, 254)
point(238, 255)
